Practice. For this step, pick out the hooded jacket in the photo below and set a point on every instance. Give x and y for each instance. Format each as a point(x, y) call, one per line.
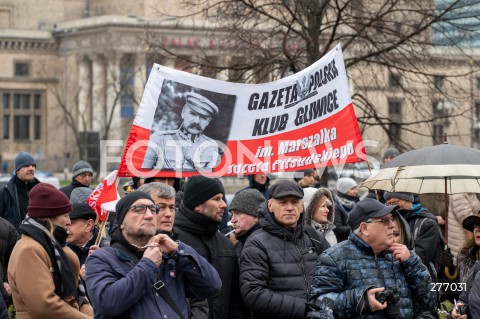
point(327, 228)
point(276, 269)
point(201, 233)
point(348, 269)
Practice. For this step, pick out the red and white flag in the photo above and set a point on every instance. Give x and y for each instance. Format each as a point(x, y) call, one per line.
point(105, 196)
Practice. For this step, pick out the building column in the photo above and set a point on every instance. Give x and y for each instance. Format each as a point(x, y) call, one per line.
point(99, 114)
point(84, 102)
point(113, 98)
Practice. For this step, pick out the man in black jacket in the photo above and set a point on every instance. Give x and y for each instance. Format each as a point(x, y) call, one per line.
point(200, 213)
point(14, 196)
point(82, 173)
point(278, 260)
point(244, 209)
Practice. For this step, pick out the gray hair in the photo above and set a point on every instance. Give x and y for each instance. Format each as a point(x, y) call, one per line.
point(161, 190)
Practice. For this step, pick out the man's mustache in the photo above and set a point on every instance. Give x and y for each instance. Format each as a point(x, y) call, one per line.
point(195, 126)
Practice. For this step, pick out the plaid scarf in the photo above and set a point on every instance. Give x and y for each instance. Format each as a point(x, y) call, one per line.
point(63, 275)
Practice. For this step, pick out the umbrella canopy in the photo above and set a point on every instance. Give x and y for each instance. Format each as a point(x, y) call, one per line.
point(436, 169)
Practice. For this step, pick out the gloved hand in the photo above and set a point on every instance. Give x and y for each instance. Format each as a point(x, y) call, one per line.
point(446, 258)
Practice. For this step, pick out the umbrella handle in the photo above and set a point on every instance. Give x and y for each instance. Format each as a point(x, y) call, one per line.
point(449, 275)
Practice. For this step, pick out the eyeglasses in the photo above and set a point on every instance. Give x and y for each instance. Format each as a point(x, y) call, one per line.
point(385, 220)
point(395, 203)
point(142, 209)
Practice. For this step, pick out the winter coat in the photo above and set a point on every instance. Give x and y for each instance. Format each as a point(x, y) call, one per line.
point(32, 285)
point(9, 205)
point(242, 238)
point(347, 201)
point(67, 190)
point(8, 239)
point(348, 269)
point(460, 206)
point(342, 230)
point(466, 259)
point(82, 252)
point(276, 269)
point(201, 233)
point(426, 235)
point(327, 228)
point(120, 288)
point(261, 188)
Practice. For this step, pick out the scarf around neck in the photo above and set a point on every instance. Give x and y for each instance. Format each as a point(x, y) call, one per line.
point(63, 275)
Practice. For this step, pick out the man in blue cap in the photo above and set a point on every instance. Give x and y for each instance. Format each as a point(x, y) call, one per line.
point(368, 275)
point(187, 148)
point(14, 196)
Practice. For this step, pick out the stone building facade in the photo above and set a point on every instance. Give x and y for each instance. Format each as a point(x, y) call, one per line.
point(72, 73)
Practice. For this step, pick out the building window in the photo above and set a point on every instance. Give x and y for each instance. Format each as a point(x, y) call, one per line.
point(37, 101)
point(478, 83)
point(37, 127)
point(438, 131)
point(394, 108)
point(21, 127)
point(394, 80)
point(438, 108)
point(22, 69)
point(6, 127)
point(438, 82)
point(6, 101)
point(23, 121)
point(127, 75)
point(477, 111)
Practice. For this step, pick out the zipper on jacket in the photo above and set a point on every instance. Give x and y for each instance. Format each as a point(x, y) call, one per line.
point(307, 290)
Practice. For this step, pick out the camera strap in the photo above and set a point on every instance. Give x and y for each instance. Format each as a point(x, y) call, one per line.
point(162, 290)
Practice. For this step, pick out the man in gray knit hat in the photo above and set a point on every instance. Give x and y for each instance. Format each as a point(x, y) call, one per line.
point(244, 209)
point(82, 173)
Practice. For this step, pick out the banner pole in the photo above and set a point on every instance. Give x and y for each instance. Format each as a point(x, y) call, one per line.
point(101, 229)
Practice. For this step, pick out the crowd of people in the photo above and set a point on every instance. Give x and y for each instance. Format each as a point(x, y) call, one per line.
point(295, 249)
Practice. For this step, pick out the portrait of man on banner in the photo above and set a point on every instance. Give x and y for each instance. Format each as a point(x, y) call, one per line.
point(189, 130)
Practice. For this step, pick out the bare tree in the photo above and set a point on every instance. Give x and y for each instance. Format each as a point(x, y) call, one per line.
point(120, 70)
point(384, 42)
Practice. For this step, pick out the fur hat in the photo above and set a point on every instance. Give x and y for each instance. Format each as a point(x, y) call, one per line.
point(199, 189)
point(247, 201)
point(24, 159)
point(400, 195)
point(46, 200)
point(345, 184)
point(81, 167)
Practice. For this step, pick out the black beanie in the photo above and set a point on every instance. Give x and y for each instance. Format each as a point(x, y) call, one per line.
point(126, 202)
point(199, 189)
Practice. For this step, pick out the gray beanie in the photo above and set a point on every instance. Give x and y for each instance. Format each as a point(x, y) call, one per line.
point(23, 159)
point(391, 152)
point(247, 201)
point(80, 194)
point(345, 184)
point(400, 195)
point(81, 167)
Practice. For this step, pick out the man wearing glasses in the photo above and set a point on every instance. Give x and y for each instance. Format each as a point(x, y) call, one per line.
point(353, 276)
point(143, 275)
point(427, 241)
